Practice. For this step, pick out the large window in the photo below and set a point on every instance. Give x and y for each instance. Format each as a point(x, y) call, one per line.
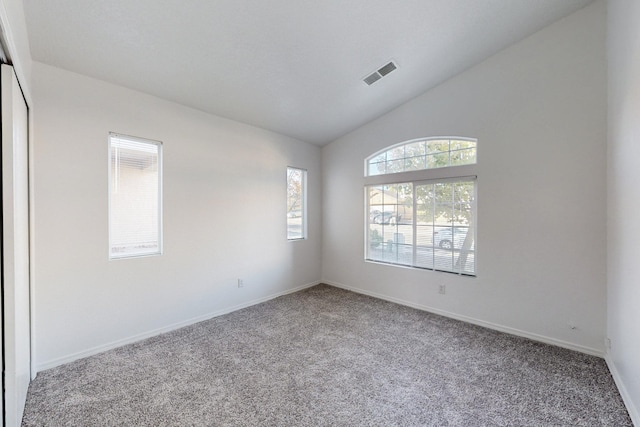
point(135, 197)
point(296, 204)
point(428, 218)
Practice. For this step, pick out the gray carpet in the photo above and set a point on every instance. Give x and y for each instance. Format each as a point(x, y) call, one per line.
point(328, 357)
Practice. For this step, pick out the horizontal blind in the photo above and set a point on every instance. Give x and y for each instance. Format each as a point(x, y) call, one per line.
point(296, 203)
point(134, 197)
point(423, 225)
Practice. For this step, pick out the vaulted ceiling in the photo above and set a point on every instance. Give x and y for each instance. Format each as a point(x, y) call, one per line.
point(290, 66)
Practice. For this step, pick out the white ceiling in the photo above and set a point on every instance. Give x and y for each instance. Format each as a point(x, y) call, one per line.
point(291, 66)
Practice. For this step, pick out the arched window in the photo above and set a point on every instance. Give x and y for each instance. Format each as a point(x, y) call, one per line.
point(425, 153)
point(421, 204)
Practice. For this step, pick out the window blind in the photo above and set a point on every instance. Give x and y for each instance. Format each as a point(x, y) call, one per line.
point(135, 195)
point(296, 204)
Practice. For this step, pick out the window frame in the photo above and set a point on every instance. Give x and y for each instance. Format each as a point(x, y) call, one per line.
point(367, 161)
point(159, 145)
point(303, 210)
point(464, 172)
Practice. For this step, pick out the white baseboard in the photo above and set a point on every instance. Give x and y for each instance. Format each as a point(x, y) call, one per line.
point(119, 343)
point(626, 398)
point(489, 325)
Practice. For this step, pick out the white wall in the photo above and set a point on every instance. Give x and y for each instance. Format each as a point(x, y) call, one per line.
point(224, 217)
point(623, 297)
point(538, 109)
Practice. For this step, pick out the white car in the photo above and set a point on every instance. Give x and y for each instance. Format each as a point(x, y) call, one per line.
point(447, 238)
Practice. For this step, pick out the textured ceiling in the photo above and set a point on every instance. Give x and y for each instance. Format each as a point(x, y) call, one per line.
point(291, 66)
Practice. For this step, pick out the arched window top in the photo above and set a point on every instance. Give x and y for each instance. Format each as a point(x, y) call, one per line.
point(423, 153)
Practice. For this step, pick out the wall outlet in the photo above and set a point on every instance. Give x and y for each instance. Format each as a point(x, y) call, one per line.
point(609, 343)
point(240, 283)
point(442, 289)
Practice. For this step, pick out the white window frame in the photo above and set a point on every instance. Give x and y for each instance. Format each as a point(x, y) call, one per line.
point(449, 151)
point(118, 136)
point(466, 172)
point(303, 210)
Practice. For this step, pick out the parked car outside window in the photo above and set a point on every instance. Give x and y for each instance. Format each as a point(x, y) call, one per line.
point(450, 237)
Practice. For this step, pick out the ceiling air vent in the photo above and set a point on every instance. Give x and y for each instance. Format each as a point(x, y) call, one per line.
point(371, 79)
point(387, 69)
point(380, 73)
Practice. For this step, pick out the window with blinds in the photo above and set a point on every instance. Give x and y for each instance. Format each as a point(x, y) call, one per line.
point(296, 204)
point(135, 197)
point(420, 204)
point(427, 225)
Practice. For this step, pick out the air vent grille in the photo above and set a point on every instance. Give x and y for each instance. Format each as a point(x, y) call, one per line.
point(387, 69)
point(380, 73)
point(371, 79)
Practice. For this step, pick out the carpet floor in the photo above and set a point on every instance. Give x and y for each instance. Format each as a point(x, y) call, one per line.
point(329, 357)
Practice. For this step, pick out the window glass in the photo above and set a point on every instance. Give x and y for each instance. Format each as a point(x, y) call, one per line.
point(135, 189)
point(427, 223)
point(296, 204)
point(436, 232)
point(429, 153)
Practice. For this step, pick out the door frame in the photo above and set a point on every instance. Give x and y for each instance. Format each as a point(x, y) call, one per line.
point(17, 314)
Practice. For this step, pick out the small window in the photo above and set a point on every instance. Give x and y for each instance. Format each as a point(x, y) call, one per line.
point(296, 204)
point(429, 153)
point(135, 197)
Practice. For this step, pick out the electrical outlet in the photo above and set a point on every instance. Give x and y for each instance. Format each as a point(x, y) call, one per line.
point(609, 343)
point(240, 283)
point(442, 289)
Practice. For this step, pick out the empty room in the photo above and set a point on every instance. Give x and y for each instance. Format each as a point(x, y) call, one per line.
point(327, 213)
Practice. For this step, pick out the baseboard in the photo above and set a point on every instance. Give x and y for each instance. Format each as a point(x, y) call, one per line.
point(489, 325)
point(626, 398)
point(139, 337)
